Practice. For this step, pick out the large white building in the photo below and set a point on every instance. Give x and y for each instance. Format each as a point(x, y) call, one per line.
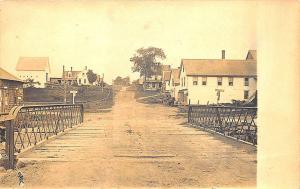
point(212, 81)
point(34, 68)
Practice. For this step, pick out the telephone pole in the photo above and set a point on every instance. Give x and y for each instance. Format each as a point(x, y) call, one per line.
point(65, 87)
point(102, 81)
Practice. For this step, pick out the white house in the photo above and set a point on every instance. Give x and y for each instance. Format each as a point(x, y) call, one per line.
point(82, 78)
point(34, 68)
point(76, 77)
point(217, 80)
point(174, 83)
point(156, 82)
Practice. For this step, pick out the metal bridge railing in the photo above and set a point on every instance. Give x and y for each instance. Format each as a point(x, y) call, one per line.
point(26, 126)
point(236, 122)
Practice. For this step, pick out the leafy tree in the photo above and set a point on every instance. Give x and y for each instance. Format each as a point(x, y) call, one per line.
point(92, 77)
point(29, 83)
point(122, 81)
point(118, 80)
point(146, 61)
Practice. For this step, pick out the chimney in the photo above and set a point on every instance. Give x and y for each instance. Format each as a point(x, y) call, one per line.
point(71, 68)
point(85, 67)
point(223, 54)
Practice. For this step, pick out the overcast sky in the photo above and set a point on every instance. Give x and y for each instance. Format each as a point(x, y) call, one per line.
point(103, 35)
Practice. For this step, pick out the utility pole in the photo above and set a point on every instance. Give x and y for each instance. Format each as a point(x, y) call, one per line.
point(65, 87)
point(102, 83)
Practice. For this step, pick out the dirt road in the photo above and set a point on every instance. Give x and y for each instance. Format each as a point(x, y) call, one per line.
point(137, 145)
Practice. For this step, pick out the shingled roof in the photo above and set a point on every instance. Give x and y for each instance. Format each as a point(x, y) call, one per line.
point(175, 74)
point(167, 75)
point(221, 67)
point(206, 67)
point(251, 55)
point(33, 64)
point(7, 76)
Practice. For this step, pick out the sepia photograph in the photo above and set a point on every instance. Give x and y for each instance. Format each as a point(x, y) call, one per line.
point(139, 94)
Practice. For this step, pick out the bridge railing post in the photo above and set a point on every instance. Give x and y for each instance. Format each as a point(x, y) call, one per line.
point(189, 111)
point(81, 112)
point(9, 144)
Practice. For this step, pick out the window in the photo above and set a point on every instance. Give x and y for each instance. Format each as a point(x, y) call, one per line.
point(79, 81)
point(230, 81)
point(246, 81)
point(246, 94)
point(83, 74)
point(84, 81)
point(204, 80)
point(195, 80)
point(184, 81)
point(173, 82)
point(219, 81)
point(182, 69)
point(181, 82)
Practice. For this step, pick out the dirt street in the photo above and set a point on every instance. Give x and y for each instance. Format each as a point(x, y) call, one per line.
point(137, 145)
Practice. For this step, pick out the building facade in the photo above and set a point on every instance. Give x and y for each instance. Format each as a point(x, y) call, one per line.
point(166, 81)
point(11, 91)
point(156, 82)
point(214, 81)
point(34, 69)
point(153, 83)
point(76, 77)
point(174, 83)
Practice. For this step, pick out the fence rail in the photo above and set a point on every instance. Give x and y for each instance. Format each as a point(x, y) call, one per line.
point(26, 126)
point(237, 122)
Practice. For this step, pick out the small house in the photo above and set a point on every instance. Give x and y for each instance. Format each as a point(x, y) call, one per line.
point(11, 91)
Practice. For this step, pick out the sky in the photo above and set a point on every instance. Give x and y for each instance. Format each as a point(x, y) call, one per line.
point(103, 35)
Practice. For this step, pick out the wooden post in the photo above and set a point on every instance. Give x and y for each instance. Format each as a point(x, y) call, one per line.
point(65, 89)
point(189, 111)
point(102, 83)
point(9, 144)
point(82, 112)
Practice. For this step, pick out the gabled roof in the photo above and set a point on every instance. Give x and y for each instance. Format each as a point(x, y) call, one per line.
point(167, 75)
point(175, 75)
point(33, 64)
point(7, 76)
point(73, 74)
point(251, 55)
point(216, 67)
